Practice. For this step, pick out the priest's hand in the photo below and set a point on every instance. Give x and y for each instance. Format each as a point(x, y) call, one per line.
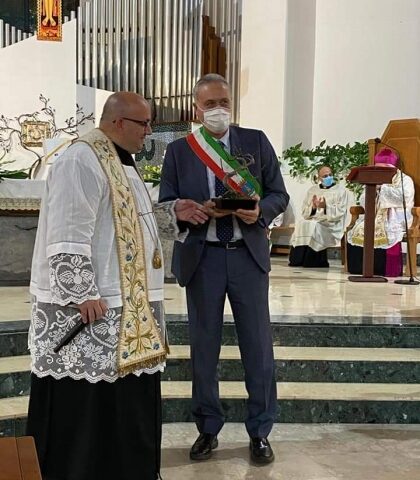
point(92, 310)
point(190, 211)
point(321, 202)
point(318, 202)
point(214, 212)
point(249, 216)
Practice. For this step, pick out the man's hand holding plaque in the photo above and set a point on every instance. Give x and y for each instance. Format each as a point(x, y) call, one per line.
point(249, 216)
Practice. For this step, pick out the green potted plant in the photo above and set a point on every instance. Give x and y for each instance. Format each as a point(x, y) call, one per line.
point(151, 173)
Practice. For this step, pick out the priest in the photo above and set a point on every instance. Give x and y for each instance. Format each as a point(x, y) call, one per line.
point(389, 222)
point(322, 226)
point(94, 409)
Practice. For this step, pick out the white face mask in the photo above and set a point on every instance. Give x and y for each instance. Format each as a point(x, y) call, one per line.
point(217, 119)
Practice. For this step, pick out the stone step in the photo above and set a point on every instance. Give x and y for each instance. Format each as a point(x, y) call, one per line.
point(317, 332)
point(13, 335)
point(297, 403)
point(231, 352)
point(293, 364)
point(14, 338)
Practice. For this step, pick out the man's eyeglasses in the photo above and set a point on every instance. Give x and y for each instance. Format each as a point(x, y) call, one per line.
point(142, 123)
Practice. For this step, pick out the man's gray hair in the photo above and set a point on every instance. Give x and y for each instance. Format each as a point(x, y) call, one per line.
point(209, 78)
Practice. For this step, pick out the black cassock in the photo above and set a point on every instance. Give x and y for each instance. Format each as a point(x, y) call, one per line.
point(101, 431)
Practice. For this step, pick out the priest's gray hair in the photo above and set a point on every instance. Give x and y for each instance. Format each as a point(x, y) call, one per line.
point(209, 78)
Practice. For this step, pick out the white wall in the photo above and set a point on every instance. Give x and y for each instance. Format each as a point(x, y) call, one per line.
point(263, 66)
point(367, 67)
point(92, 100)
point(300, 62)
point(349, 67)
point(32, 67)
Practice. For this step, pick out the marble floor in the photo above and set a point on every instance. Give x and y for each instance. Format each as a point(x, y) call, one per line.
point(296, 294)
point(303, 452)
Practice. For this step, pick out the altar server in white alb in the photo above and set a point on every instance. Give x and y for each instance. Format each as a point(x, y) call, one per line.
point(95, 406)
point(324, 215)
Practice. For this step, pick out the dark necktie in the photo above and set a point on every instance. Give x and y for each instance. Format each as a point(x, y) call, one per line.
point(224, 225)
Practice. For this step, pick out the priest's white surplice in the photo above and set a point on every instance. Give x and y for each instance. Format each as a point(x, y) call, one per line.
point(322, 227)
point(390, 198)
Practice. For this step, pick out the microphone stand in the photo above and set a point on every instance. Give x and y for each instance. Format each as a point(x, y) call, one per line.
point(411, 280)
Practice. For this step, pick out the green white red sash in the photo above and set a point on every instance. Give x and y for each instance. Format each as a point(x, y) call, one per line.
point(221, 163)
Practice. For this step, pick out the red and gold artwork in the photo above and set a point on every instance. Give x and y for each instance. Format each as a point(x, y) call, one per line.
point(49, 20)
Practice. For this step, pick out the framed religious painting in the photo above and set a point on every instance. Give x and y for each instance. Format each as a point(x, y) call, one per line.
point(34, 132)
point(49, 20)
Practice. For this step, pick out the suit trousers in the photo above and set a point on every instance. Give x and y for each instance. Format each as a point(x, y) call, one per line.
point(232, 273)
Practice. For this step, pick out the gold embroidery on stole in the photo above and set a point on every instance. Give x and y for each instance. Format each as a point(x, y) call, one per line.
point(140, 342)
point(380, 236)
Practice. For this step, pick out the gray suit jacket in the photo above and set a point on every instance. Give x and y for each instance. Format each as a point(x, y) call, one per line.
point(184, 175)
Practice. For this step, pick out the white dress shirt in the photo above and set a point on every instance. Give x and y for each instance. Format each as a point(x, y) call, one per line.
point(211, 178)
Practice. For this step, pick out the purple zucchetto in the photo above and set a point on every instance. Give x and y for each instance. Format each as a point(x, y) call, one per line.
point(386, 155)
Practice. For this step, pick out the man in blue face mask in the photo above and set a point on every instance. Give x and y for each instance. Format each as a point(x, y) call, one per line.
point(324, 214)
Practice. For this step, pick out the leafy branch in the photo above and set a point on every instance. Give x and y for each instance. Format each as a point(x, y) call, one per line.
point(305, 163)
point(11, 132)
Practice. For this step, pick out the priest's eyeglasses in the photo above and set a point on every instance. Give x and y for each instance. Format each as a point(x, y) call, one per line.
point(142, 123)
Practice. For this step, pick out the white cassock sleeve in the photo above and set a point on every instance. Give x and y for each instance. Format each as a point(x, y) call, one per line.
point(167, 222)
point(391, 194)
point(307, 205)
point(72, 279)
point(74, 194)
point(336, 205)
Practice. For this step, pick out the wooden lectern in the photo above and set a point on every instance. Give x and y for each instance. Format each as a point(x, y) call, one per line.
point(403, 136)
point(370, 176)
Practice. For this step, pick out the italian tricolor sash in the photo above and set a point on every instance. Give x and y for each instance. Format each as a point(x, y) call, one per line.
point(221, 163)
point(140, 343)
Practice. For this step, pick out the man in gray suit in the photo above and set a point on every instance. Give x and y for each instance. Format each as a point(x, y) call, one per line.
point(228, 255)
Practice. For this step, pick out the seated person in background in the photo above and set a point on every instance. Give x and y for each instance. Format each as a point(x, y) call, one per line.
point(277, 222)
point(389, 222)
point(324, 214)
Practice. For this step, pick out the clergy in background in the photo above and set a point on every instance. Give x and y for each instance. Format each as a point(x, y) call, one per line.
point(95, 405)
point(389, 222)
point(324, 214)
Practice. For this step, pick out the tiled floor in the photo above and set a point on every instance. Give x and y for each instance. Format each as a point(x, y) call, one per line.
point(326, 293)
point(303, 452)
point(294, 293)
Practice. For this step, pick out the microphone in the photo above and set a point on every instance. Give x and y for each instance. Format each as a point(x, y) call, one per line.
point(411, 280)
point(68, 337)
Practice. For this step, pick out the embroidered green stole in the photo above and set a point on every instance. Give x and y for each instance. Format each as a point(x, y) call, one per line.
point(140, 342)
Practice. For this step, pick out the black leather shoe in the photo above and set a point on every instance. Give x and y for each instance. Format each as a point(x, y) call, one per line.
point(261, 451)
point(203, 446)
